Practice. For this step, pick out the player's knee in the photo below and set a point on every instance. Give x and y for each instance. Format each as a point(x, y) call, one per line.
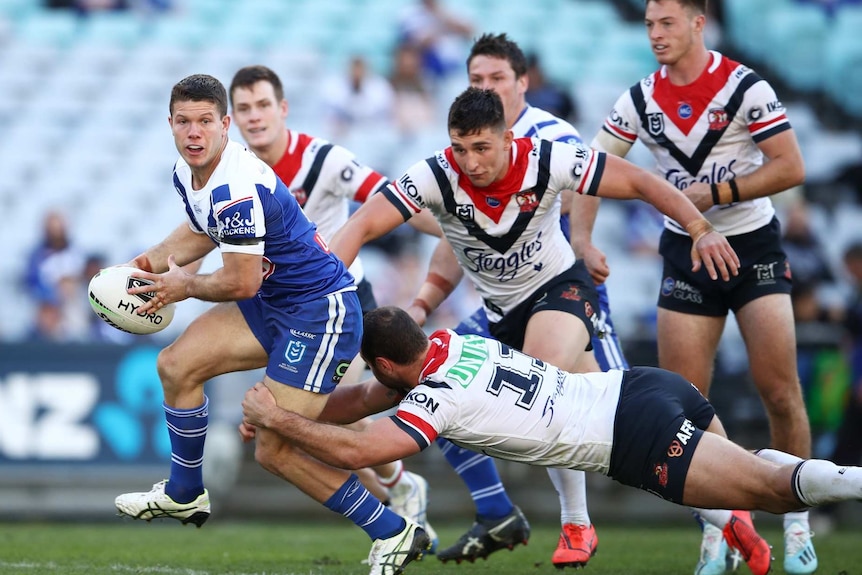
point(175, 373)
point(784, 402)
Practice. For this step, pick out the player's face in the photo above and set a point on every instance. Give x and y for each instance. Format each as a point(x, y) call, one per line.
point(496, 74)
point(672, 30)
point(484, 156)
point(200, 134)
point(259, 116)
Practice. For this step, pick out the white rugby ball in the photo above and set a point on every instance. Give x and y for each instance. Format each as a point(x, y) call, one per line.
point(108, 298)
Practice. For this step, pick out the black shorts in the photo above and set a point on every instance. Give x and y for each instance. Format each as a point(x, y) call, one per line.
point(660, 420)
point(366, 296)
point(573, 291)
point(764, 270)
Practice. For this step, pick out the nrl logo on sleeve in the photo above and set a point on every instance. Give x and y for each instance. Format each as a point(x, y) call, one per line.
point(655, 124)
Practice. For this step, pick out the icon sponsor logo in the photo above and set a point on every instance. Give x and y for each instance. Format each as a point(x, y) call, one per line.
point(422, 400)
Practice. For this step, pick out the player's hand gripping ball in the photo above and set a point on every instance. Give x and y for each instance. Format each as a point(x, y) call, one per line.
point(108, 298)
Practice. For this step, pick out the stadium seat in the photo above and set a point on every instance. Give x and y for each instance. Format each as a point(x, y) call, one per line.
point(795, 37)
point(112, 29)
point(746, 21)
point(57, 28)
point(843, 70)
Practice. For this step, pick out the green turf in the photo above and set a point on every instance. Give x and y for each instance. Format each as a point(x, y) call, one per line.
point(336, 549)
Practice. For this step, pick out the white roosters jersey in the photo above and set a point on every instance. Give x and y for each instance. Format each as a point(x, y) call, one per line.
point(506, 236)
point(537, 123)
point(324, 178)
point(485, 396)
point(707, 131)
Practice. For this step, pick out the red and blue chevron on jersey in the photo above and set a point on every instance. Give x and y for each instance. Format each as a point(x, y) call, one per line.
point(706, 131)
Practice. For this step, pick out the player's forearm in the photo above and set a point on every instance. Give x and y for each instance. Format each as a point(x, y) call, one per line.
point(182, 243)
point(350, 403)
point(331, 444)
point(582, 218)
point(668, 200)
point(238, 279)
point(444, 273)
point(774, 176)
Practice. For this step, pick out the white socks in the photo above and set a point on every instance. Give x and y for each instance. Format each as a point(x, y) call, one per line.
point(571, 485)
point(718, 517)
point(817, 482)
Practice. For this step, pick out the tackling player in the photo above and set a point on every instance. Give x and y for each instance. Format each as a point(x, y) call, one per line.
point(647, 427)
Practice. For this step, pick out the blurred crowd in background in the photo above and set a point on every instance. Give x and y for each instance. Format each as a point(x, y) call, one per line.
point(385, 98)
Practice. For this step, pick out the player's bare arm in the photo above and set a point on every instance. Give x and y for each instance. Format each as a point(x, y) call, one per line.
point(239, 278)
point(373, 219)
point(623, 180)
point(350, 403)
point(582, 218)
point(185, 245)
point(444, 273)
point(426, 223)
point(380, 442)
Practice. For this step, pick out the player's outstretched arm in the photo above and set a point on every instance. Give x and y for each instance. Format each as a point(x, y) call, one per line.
point(381, 442)
point(350, 403)
point(444, 273)
point(373, 219)
point(624, 180)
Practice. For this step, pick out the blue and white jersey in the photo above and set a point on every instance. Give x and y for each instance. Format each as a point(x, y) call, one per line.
point(537, 123)
point(245, 208)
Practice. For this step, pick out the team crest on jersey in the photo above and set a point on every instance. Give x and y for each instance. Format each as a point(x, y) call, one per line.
point(717, 119)
point(464, 212)
point(294, 352)
point(527, 201)
point(655, 124)
point(300, 195)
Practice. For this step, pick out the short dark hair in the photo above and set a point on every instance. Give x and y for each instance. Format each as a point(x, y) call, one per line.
point(251, 75)
point(699, 6)
point(200, 88)
point(476, 109)
point(499, 46)
point(390, 332)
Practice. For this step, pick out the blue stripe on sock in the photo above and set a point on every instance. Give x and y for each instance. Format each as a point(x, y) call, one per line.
point(355, 502)
point(480, 475)
point(187, 429)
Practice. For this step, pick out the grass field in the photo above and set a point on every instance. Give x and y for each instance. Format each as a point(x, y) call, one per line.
point(126, 547)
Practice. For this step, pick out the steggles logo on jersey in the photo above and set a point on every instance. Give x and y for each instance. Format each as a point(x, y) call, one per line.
point(506, 266)
point(717, 173)
point(655, 124)
point(718, 119)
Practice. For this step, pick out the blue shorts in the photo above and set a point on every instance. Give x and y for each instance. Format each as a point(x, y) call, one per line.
point(606, 344)
point(659, 422)
point(310, 344)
